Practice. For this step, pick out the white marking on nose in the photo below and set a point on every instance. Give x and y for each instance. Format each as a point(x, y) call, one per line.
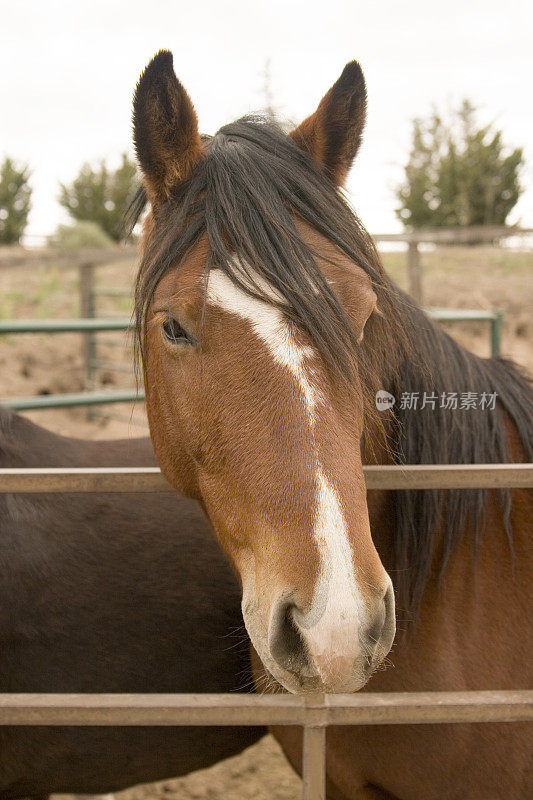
point(330, 626)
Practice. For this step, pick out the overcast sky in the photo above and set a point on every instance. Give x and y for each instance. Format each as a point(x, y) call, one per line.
point(69, 68)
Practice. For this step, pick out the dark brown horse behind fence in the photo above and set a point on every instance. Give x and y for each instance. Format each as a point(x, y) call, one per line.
point(110, 593)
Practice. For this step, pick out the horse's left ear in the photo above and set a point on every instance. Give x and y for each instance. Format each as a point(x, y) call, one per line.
point(332, 134)
point(165, 129)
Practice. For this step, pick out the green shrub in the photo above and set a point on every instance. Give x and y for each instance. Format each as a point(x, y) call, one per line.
point(80, 235)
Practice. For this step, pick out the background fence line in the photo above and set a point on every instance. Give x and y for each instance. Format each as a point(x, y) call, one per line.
point(88, 260)
point(89, 326)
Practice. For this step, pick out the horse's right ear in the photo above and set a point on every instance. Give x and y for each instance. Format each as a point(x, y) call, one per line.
point(165, 129)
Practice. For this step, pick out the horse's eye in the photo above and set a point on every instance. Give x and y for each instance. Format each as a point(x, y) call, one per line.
point(175, 334)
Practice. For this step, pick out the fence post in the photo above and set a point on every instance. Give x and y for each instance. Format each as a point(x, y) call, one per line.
point(413, 272)
point(496, 327)
point(314, 762)
point(87, 311)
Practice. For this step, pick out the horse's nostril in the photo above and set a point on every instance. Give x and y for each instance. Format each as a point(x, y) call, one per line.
point(285, 641)
point(390, 610)
point(380, 628)
point(375, 629)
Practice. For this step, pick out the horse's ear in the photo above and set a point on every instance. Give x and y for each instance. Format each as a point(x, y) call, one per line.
point(165, 129)
point(332, 134)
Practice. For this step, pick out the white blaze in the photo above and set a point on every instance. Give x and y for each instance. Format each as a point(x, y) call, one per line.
point(330, 626)
point(269, 325)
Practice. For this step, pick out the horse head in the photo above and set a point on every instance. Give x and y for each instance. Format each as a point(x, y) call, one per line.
point(251, 302)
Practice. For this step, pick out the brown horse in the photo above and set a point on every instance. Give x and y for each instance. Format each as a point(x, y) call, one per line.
point(110, 593)
point(266, 326)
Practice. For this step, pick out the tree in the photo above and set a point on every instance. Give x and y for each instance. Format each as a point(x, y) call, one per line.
point(270, 108)
point(15, 205)
point(101, 195)
point(458, 173)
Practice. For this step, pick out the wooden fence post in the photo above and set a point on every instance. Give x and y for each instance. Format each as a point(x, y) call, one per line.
point(496, 327)
point(413, 271)
point(87, 311)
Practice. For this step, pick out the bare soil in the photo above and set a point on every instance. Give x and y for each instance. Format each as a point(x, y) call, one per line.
point(454, 277)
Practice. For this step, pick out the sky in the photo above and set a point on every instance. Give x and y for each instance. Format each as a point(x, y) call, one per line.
point(69, 69)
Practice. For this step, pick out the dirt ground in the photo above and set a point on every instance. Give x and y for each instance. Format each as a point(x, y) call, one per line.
point(453, 277)
point(259, 773)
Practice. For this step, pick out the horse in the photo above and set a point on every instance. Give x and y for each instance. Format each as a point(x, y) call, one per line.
point(110, 593)
point(268, 331)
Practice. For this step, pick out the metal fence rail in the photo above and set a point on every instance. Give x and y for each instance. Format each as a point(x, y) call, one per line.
point(150, 479)
point(95, 324)
point(81, 325)
point(313, 713)
point(69, 400)
point(86, 326)
point(364, 708)
point(495, 318)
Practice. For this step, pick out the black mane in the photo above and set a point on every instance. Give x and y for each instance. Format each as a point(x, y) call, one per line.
point(442, 436)
point(242, 195)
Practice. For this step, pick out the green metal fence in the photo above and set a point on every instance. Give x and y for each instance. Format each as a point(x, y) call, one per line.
point(64, 325)
point(473, 315)
point(73, 399)
point(93, 325)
